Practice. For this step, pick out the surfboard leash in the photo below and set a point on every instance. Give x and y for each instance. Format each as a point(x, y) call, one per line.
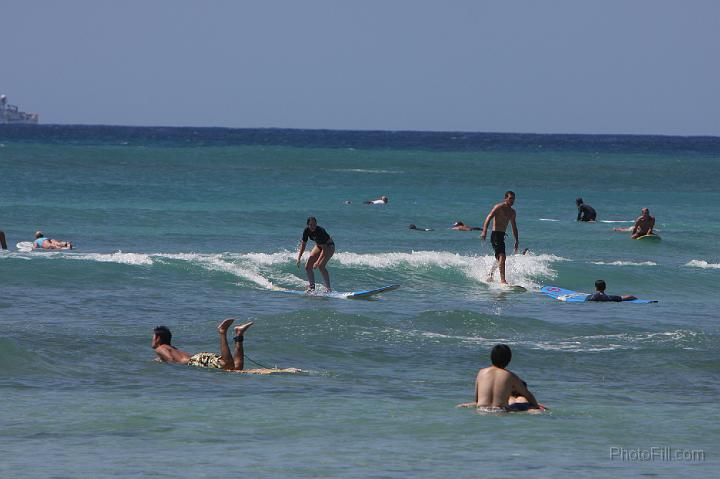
point(255, 362)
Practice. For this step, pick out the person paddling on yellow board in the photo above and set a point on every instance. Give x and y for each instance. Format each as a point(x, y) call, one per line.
point(644, 224)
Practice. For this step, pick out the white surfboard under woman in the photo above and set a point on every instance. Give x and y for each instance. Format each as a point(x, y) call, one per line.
point(319, 256)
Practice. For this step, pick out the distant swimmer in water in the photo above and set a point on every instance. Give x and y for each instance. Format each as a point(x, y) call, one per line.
point(320, 255)
point(644, 224)
point(460, 226)
point(167, 353)
point(413, 227)
point(501, 214)
point(3, 243)
point(41, 242)
point(383, 200)
point(497, 389)
point(599, 294)
point(585, 211)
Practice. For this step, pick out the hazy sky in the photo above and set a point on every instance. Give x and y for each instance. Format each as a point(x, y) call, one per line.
point(566, 66)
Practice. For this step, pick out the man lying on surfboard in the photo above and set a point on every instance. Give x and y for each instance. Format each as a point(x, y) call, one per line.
point(497, 389)
point(599, 294)
point(167, 353)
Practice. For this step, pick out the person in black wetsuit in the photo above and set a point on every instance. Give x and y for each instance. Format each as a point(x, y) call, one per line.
point(600, 296)
point(319, 256)
point(585, 211)
point(3, 243)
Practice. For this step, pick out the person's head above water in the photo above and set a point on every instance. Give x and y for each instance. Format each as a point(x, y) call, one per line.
point(578, 201)
point(500, 356)
point(645, 212)
point(312, 223)
point(39, 234)
point(600, 285)
point(162, 335)
point(458, 223)
point(509, 197)
point(384, 199)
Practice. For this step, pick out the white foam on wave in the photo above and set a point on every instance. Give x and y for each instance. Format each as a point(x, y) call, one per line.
point(698, 263)
point(549, 219)
point(138, 259)
point(626, 263)
point(262, 269)
point(246, 270)
point(520, 269)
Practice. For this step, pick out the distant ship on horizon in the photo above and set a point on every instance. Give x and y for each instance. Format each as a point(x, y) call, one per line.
point(11, 115)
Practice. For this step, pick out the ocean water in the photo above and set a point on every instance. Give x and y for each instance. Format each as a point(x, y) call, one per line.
point(185, 227)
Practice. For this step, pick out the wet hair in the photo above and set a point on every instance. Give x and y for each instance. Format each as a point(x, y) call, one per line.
point(600, 285)
point(458, 223)
point(412, 227)
point(578, 201)
point(39, 234)
point(508, 193)
point(501, 355)
point(163, 333)
point(310, 218)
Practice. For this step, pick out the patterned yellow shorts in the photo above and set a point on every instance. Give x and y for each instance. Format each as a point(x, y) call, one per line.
point(206, 360)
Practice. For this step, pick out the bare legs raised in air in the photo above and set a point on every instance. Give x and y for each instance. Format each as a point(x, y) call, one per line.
point(237, 362)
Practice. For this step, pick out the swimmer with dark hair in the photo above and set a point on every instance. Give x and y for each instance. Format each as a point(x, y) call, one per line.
point(585, 211)
point(413, 227)
point(600, 296)
point(498, 390)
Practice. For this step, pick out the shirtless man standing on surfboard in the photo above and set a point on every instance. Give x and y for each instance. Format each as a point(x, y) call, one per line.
point(501, 214)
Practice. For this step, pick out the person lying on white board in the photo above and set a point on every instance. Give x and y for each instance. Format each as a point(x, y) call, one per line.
point(41, 242)
point(413, 227)
point(383, 200)
point(599, 294)
point(460, 226)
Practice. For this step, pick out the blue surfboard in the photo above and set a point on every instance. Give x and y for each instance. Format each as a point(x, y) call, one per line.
point(344, 295)
point(570, 296)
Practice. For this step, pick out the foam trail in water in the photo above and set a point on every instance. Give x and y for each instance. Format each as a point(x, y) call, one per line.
point(138, 259)
point(626, 263)
point(698, 263)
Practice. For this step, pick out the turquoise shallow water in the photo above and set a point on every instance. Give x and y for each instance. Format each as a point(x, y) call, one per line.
point(184, 227)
